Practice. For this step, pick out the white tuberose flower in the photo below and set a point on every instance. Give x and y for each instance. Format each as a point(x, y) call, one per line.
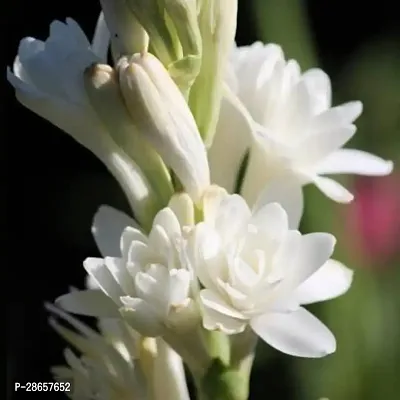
point(146, 284)
point(165, 373)
point(296, 130)
point(256, 271)
point(108, 368)
point(48, 80)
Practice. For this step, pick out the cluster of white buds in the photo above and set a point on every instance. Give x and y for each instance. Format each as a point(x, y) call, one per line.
point(212, 145)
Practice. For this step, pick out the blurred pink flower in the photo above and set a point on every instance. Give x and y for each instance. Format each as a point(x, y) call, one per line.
point(373, 219)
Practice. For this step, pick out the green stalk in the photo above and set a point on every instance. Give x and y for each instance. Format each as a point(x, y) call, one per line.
point(285, 22)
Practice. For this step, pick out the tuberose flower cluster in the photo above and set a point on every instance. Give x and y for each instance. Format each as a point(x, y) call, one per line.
point(212, 145)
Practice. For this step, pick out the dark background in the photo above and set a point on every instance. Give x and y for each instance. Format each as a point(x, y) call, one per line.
point(54, 186)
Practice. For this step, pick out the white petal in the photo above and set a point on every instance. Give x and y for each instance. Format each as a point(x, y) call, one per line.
point(107, 227)
point(153, 287)
point(315, 249)
point(319, 87)
point(249, 61)
point(350, 161)
point(269, 161)
point(231, 141)
point(315, 148)
point(337, 117)
point(100, 273)
point(101, 38)
point(93, 303)
point(121, 275)
point(212, 200)
point(271, 218)
point(53, 86)
point(80, 327)
point(29, 47)
point(76, 367)
point(179, 286)
point(290, 81)
point(91, 283)
point(138, 256)
point(169, 374)
point(256, 68)
point(286, 257)
point(92, 342)
point(21, 81)
point(231, 217)
point(129, 236)
point(288, 194)
point(78, 122)
point(39, 66)
point(299, 258)
point(57, 70)
point(333, 189)
point(213, 320)
point(332, 280)
point(205, 254)
point(19, 71)
point(244, 280)
point(73, 360)
point(141, 316)
point(213, 301)
point(297, 109)
point(298, 333)
point(161, 244)
point(168, 221)
point(75, 31)
point(272, 92)
point(183, 208)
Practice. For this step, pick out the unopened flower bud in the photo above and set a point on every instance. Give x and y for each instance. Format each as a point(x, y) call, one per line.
point(183, 14)
point(127, 35)
point(161, 114)
point(217, 21)
point(102, 88)
point(175, 37)
point(151, 15)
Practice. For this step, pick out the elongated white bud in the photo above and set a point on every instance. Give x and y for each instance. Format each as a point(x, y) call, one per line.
point(161, 114)
point(102, 88)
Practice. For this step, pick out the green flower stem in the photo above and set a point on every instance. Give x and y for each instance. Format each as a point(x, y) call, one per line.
point(243, 346)
point(223, 383)
point(286, 23)
point(228, 376)
point(218, 345)
point(191, 347)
